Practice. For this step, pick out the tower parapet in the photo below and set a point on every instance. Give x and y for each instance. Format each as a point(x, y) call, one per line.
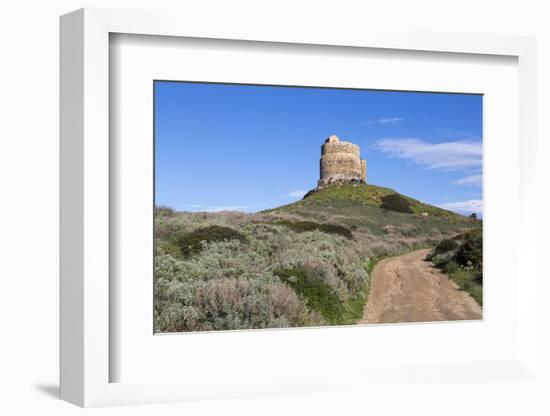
point(341, 163)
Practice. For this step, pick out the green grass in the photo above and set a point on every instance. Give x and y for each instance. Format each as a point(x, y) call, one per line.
point(317, 294)
point(355, 306)
point(370, 195)
point(358, 208)
point(320, 297)
point(466, 281)
point(359, 193)
point(373, 262)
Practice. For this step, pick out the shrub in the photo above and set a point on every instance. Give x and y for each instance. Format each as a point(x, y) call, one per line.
point(224, 304)
point(470, 253)
point(451, 267)
point(336, 229)
point(462, 259)
point(396, 202)
point(445, 245)
point(192, 242)
point(169, 247)
point(164, 211)
point(304, 226)
point(389, 229)
point(316, 293)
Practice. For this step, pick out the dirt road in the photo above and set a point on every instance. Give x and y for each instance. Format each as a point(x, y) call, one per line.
point(409, 289)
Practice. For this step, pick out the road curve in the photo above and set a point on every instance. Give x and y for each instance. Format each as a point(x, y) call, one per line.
point(409, 289)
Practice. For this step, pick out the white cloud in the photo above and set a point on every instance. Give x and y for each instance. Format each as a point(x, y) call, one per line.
point(449, 155)
point(464, 207)
point(472, 180)
point(389, 120)
point(297, 194)
point(385, 120)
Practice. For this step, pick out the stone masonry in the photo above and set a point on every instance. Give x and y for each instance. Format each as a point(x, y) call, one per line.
point(341, 163)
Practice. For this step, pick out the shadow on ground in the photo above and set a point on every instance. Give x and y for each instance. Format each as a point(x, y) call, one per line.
point(51, 390)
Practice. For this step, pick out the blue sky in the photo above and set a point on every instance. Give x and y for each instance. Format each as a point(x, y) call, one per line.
point(248, 148)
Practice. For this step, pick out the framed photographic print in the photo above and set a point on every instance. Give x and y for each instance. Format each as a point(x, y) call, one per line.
point(276, 212)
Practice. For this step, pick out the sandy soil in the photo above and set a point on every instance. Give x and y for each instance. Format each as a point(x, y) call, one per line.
point(409, 289)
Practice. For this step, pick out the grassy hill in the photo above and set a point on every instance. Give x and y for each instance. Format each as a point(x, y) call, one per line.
point(301, 264)
point(362, 208)
point(365, 194)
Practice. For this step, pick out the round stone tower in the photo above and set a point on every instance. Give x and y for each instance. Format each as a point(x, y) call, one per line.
point(341, 163)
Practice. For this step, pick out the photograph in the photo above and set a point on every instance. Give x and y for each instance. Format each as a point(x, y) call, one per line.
point(293, 207)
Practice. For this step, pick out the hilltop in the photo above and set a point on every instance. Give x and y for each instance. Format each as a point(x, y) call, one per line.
point(377, 211)
point(366, 194)
point(362, 194)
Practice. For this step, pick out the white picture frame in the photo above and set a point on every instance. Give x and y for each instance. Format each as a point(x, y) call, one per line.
point(86, 353)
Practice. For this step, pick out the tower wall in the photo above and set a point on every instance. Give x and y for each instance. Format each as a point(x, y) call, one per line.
point(340, 162)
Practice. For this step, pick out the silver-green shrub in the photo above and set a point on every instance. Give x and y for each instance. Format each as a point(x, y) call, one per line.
point(234, 284)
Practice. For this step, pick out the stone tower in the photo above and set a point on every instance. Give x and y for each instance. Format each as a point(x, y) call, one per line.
point(341, 163)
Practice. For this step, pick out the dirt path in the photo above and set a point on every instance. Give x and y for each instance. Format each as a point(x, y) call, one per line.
point(409, 289)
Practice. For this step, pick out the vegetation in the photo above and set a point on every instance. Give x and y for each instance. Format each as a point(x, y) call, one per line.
point(470, 253)
point(303, 226)
point(373, 262)
point(445, 246)
point(366, 195)
point(396, 202)
point(314, 291)
point(162, 211)
point(461, 258)
point(303, 264)
point(321, 298)
point(193, 242)
point(358, 208)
